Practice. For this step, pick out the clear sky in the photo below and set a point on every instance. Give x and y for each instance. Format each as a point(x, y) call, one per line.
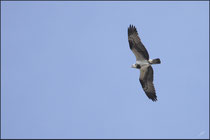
point(66, 70)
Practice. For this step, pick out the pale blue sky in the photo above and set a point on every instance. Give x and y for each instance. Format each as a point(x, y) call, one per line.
point(66, 70)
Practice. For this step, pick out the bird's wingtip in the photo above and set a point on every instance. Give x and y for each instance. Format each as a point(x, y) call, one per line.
point(131, 29)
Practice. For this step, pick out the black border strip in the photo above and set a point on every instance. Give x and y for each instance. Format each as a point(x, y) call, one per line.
point(107, 0)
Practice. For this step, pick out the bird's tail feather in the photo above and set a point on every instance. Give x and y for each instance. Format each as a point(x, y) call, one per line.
point(155, 61)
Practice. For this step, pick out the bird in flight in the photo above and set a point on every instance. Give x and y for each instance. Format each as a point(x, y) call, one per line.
point(143, 63)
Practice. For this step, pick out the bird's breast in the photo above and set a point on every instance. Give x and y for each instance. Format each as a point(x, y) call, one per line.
point(142, 62)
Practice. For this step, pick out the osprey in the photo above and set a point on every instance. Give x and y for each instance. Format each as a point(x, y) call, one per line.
point(143, 63)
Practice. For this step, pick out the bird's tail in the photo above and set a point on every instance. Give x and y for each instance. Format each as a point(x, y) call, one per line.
point(155, 61)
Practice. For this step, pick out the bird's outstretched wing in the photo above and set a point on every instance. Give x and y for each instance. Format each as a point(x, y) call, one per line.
point(136, 45)
point(146, 80)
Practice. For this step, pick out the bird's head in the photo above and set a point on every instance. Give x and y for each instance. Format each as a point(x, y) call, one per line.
point(137, 66)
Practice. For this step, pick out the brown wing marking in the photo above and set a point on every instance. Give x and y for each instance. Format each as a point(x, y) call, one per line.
point(146, 80)
point(135, 43)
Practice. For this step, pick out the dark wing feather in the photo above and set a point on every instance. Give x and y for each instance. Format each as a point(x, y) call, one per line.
point(146, 80)
point(136, 45)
